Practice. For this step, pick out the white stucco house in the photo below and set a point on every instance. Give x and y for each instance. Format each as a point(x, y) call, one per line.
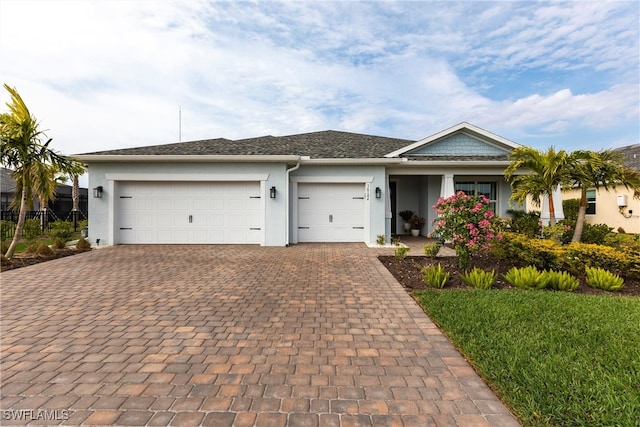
point(326, 186)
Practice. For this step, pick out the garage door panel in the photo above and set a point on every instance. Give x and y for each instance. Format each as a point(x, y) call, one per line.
point(188, 212)
point(330, 212)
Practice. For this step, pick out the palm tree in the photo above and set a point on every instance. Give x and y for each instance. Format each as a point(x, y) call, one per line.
point(548, 171)
point(604, 169)
point(23, 151)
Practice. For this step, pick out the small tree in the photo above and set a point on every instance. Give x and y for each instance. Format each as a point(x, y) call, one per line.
point(466, 221)
point(547, 171)
point(600, 170)
point(32, 160)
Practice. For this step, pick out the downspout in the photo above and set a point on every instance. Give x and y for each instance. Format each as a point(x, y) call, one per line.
point(287, 199)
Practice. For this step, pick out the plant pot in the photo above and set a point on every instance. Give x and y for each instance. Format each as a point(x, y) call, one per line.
point(407, 226)
point(414, 232)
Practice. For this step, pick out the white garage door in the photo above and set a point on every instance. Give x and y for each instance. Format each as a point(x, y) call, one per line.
point(188, 212)
point(330, 212)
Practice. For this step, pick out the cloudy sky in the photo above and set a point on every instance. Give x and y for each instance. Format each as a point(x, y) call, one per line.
point(109, 74)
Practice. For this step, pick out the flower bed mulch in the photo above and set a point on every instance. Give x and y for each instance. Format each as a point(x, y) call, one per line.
point(407, 272)
point(24, 260)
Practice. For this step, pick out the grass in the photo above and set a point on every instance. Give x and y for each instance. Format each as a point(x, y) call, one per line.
point(555, 358)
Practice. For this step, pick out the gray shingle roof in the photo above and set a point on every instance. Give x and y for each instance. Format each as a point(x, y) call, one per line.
point(631, 155)
point(325, 144)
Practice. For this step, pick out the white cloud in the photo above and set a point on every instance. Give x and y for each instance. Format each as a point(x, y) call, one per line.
point(103, 74)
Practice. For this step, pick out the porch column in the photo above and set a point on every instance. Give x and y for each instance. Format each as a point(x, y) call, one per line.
point(446, 186)
point(545, 216)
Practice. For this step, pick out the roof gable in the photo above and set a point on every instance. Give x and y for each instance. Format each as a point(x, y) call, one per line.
point(462, 140)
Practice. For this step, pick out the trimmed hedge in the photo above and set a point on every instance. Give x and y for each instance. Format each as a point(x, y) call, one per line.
point(547, 254)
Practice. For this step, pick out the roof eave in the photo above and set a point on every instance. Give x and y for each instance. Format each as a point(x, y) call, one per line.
point(350, 161)
point(188, 158)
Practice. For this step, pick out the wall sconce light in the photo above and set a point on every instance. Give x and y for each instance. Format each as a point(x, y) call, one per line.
point(272, 192)
point(378, 193)
point(97, 192)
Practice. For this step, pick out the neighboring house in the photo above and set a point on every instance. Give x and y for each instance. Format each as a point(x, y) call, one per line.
point(61, 206)
point(324, 186)
point(617, 207)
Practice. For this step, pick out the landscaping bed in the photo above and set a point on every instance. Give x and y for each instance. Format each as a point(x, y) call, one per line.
point(407, 272)
point(25, 260)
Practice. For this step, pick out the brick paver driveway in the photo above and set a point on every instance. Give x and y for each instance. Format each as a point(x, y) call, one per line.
point(228, 335)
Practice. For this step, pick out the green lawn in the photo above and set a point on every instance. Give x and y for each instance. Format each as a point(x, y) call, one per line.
point(555, 358)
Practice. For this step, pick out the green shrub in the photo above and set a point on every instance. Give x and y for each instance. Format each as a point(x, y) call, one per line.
point(31, 229)
point(562, 232)
point(7, 229)
point(4, 246)
point(527, 278)
point(58, 243)
point(83, 244)
point(595, 233)
point(562, 281)
point(527, 223)
point(432, 249)
point(541, 253)
point(380, 239)
point(478, 278)
point(570, 208)
point(576, 256)
point(434, 276)
point(603, 279)
point(61, 229)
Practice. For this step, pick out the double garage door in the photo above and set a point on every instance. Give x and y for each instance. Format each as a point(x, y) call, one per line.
point(188, 212)
point(331, 212)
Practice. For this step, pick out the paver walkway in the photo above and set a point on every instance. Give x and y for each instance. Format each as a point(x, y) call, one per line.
point(310, 335)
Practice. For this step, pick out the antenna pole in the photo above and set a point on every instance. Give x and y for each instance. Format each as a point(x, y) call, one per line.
point(179, 123)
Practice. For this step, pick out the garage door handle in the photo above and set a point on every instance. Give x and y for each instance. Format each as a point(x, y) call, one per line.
point(358, 198)
point(254, 197)
point(303, 228)
point(254, 228)
point(126, 228)
point(358, 228)
point(190, 219)
point(303, 198)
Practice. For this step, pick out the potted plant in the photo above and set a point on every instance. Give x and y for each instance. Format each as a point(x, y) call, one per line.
point(416, 222)
point(406, 216)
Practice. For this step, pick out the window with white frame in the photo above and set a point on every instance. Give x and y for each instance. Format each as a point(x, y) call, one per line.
point(591, 202)
point(489, 189)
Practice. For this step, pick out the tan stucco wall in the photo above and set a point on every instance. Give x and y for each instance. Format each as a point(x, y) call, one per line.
point(607, 211)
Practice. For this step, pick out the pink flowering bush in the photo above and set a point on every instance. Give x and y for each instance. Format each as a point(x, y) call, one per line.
point(467, 222)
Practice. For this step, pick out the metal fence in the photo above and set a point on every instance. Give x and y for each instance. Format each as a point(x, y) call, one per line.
point(46, 218)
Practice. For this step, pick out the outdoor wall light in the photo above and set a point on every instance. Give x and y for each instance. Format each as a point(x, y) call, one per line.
point(378, 193)
point(97, 192)
point(272, 192)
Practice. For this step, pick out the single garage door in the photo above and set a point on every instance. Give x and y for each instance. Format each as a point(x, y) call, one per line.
point(188, 212)
point(330, 212)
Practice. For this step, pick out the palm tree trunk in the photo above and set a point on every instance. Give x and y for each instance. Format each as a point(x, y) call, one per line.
point(75, 193)
point(22, 216)
point(75, 197)
point(582, 213)
point(552, 210)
